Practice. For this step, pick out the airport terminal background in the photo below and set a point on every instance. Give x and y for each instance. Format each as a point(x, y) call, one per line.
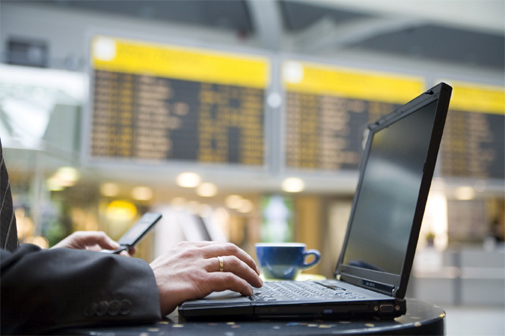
point(243, 121)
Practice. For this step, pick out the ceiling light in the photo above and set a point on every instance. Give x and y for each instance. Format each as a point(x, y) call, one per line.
point(292, 72)
point(274, 100)
point(206, 190)
point(188, 180)
point(67, 176)
point(465, 193)
point(109, 189)
point(68, 173)
point(53, 184)
point(104, 49)
point(293, 185)
point(121, 211)
point(233, 201)
point(142, 193)
point(246, 206)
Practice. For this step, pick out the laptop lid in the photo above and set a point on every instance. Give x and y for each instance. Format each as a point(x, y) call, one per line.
point(395, 177)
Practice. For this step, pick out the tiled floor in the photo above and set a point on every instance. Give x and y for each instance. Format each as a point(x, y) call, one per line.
point(481, 320)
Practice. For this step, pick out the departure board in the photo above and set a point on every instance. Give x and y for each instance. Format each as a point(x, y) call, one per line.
point(160, 102)
point(328, 108)
point(473, 144)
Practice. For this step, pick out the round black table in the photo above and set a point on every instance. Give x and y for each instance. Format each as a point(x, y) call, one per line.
point(422, 318)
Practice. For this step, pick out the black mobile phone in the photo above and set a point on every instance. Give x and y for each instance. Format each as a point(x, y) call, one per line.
point(137, 232)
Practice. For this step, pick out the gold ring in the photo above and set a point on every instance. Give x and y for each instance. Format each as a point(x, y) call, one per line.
point(221, 264)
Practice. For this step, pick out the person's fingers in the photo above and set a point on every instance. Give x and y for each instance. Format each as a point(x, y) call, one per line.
point(191, 270)
point(128, 253)
point(228, 249)
point(220, 281)
point(95, 248)
point(89, 240)
point(204, 243)
point(99, 238)
point(233, 264)
point(132, 251)
point(124, 254)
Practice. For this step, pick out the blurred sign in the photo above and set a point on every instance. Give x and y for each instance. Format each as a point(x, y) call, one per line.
point(328, 107)
point(474, 142)
point(160, 102)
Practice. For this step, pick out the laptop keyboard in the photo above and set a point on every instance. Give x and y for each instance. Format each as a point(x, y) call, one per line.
point(301, 290)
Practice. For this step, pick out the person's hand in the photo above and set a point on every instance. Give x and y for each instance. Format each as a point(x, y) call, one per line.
point(191, 270)
point(91, 240)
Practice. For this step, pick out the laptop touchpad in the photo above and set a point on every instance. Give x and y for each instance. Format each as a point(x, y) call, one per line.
point(227, 294)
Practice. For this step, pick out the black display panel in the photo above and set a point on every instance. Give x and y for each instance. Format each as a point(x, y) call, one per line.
point(389, 193)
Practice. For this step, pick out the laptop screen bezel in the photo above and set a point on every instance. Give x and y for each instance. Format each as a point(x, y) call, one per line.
point(384, 282)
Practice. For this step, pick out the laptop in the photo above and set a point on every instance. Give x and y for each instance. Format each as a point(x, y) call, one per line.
point(371, 276)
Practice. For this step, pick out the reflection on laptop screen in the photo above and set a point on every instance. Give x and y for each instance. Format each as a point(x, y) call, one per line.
point(387, 199)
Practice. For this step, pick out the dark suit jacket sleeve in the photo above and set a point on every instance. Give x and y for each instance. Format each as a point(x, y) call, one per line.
point(42, 290)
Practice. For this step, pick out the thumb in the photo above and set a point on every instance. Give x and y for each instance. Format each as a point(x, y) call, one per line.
point(105, 242)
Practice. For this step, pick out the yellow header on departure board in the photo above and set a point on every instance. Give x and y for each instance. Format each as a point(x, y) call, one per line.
point(477, 98)
point(352, 83)
point(114, 54)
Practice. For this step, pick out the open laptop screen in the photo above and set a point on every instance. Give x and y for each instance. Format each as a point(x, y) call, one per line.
point(388, 196)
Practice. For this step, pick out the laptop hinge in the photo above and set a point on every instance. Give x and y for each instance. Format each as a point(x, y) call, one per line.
point(375, 286)
point(378, 287)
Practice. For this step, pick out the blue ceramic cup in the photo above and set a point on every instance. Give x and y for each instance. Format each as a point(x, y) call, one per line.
point(284, 260)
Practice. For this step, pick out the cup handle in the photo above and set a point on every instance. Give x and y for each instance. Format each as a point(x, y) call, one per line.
point(317, 257)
